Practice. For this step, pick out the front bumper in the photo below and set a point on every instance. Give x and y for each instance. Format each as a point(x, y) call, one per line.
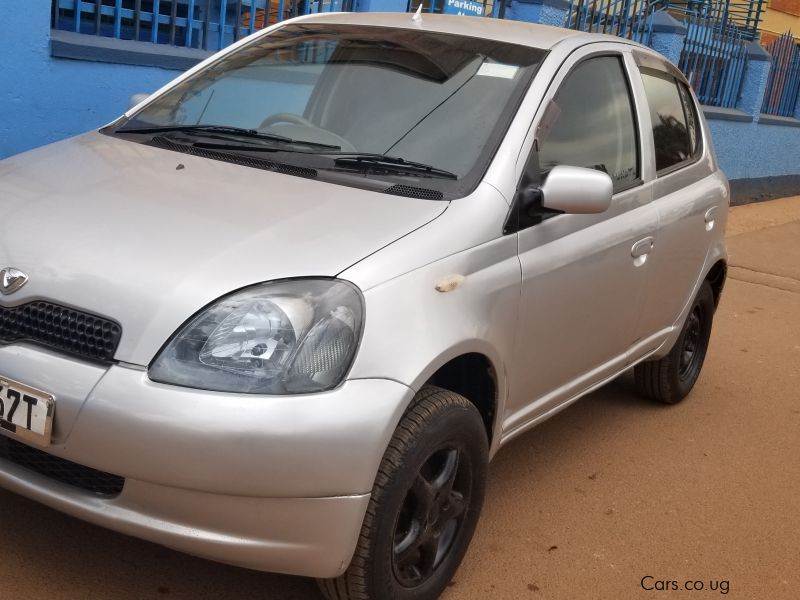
point(314, 537)
point(271, 483)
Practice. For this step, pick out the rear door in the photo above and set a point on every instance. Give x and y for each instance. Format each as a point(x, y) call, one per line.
point(688, 197)
point(583, 275)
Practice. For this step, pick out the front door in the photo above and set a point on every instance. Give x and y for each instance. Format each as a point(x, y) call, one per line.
point(583, 275)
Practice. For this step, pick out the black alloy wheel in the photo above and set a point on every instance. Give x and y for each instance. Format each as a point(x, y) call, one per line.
point(431, 516)
point(691, 350)
point(670, 379)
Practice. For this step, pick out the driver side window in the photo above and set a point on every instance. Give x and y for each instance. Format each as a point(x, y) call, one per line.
point(595, 125)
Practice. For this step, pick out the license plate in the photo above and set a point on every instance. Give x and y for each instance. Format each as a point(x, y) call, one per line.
point(26, 412)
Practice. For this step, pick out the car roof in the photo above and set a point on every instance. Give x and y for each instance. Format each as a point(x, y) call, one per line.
point(514, 32)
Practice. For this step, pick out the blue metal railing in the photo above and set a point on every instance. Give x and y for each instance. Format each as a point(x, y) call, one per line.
point(714, 54)
point(745, 14)
point(203, 24)
point(783, 87)
point(632, 19)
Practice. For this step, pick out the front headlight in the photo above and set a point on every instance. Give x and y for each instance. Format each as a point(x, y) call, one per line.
point(286, 337)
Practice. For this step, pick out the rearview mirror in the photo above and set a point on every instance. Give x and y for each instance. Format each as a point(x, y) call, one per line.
point(137, 99)
point(575, 190)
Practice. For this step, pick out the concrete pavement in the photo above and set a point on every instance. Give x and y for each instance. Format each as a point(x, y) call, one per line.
point(611, 496)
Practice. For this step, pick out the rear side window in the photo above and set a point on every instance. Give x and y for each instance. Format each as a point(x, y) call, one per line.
point(675, 125)
point(692, 124)
point(595, 126)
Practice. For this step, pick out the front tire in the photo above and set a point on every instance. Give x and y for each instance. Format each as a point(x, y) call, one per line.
point(424, 506)
point(670, 379)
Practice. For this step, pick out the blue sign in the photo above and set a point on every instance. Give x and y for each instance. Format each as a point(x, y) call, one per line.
point(464, 7)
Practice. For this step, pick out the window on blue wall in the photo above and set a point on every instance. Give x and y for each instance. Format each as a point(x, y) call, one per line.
point(202, 24)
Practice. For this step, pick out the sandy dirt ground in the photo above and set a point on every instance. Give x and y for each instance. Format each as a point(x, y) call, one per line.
point(610, 491)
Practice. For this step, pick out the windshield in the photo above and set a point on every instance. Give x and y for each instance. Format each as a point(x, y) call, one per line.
point(314, 91)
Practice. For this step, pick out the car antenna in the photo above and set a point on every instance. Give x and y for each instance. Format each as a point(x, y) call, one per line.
point(417, 18)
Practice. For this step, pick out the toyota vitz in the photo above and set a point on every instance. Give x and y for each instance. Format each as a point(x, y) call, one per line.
point(283, 312)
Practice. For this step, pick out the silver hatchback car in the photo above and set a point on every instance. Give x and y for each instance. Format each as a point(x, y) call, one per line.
point(283, 312)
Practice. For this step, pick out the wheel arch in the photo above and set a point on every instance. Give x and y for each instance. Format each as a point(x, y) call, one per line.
point(473, 376)
point(716, 278)
point(477, 373)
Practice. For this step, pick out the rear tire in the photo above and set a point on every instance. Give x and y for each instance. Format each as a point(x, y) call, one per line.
point(670, 379)
point(424, 506)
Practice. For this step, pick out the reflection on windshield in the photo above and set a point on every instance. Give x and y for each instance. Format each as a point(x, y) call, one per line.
point(437, 99)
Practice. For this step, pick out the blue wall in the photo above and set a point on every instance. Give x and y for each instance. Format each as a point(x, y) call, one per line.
point(44, 99)
point(750, 150)
point(382, 5)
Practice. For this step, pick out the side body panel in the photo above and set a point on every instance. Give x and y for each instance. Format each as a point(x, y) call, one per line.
point(411, 329)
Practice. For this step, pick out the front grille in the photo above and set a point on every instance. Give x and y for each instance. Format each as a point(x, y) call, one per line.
point(62, 328)
point(63, 471)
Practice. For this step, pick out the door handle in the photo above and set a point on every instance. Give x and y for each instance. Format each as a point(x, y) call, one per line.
point(710, 215)
point(642, 247)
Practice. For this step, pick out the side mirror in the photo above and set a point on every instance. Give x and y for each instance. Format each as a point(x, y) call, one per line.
point(137, 99)
point(575, 190)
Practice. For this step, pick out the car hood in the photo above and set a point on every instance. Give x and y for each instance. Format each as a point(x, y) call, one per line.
point(147, 236)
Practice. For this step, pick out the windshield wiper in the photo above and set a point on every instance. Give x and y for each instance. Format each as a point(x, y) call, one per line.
point(366, 161)
point(226, 131)
point(240, 131)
